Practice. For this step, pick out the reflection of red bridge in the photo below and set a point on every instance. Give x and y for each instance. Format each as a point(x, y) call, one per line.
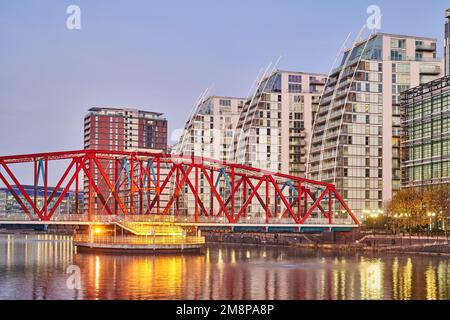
point(153, 185)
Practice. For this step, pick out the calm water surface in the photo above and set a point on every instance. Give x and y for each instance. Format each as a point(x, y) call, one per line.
point(34, 267)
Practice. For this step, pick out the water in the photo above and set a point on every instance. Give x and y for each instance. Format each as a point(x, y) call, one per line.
point(34, 267)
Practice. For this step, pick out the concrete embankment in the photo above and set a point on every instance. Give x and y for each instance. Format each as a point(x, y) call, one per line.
point(407, 244)
point(303, 241)
point(371, 243)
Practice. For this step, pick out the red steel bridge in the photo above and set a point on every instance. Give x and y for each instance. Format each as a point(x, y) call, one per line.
point(145, 186)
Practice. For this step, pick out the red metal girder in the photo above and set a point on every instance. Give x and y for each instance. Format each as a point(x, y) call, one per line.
point(258, 196)
point(96, 189)
point(178, 188)
point(141, 175)
point(158, 190)
point(267, 202)
point(66, 189)
point(116, 180)
point(195, 191)
point(132, 184)
point(313, 198)
point(76, 192)
point(161, 189)
point(216, 194)
point(205, 212)
point(315, 204)
point(246, 203)
point(330, 206)
point(164, 157)
point(58, 185)
point(233, 191)
point(229, 197)
point(283, 198)
point(21, 189)
point(110, 186)
point(145, 172)
point(35, 181)
point(45, 209)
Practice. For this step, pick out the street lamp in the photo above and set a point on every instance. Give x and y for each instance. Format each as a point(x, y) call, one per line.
point(431, 214)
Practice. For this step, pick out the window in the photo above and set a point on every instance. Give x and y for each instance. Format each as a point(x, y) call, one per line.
point(295, 78)
point(225, 103)
point(295, 88)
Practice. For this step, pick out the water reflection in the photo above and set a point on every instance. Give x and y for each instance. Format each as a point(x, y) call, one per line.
point(34, 267)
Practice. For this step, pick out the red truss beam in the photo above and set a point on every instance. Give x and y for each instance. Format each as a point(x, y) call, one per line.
point(174, 185)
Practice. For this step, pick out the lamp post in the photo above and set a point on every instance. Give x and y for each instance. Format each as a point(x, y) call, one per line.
point(373, 217)
point(395, 222)
point(430, 214)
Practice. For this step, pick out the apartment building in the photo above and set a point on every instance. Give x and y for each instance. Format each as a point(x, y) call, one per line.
point(209, 133)
point(356, 134)
point(275, 124)
point(426, 134)
point(121, 129)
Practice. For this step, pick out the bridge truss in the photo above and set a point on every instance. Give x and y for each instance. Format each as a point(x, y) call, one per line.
point(154, 184)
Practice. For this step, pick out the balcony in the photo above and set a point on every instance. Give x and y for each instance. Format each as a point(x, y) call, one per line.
point(430, 69)
point(317, 81)
point(426, 47)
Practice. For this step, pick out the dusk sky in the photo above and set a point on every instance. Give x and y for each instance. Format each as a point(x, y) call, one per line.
point(160, 55)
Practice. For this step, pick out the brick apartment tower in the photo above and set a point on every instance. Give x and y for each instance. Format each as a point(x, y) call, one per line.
point(121, 129)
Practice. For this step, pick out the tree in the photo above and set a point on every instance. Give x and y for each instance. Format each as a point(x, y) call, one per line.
point(437, 200)
point(406, 209)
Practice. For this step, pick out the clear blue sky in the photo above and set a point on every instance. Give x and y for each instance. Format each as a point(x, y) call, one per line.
point(160, 55)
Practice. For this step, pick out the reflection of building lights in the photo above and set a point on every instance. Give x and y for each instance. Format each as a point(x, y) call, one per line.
point(371, 279)
point(97, 272)
point(430, 283)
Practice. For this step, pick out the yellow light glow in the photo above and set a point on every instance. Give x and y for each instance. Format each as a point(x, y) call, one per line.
point(98, 230)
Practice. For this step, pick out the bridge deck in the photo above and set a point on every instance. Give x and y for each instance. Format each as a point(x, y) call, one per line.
point(190, 224)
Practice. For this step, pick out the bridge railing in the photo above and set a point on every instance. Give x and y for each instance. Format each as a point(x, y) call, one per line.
point(174, 219)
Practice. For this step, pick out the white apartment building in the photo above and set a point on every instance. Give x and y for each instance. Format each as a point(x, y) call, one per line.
point(356, 134)
point(276, 122)
point(209, 133)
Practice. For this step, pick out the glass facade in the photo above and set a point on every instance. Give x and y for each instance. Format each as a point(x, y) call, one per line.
point(447, 42)
point(426, 134)
point(9, 205)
